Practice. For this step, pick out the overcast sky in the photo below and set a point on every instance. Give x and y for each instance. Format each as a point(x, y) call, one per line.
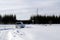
point(26, 8)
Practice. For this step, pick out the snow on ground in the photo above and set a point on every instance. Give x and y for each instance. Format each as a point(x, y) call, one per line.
point(32, 32)
point(4, 26)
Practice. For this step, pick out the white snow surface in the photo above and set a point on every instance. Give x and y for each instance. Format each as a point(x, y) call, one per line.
point(32, 32)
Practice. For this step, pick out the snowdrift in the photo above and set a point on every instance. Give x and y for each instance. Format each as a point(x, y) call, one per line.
point(32, 32)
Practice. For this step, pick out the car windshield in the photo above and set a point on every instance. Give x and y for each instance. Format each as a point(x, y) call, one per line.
point(19, 23)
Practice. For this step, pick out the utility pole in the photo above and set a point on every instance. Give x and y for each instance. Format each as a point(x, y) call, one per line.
point(37, 11)
point(36, 21)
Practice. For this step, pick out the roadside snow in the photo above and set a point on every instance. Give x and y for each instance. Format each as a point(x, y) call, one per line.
point(32, 32)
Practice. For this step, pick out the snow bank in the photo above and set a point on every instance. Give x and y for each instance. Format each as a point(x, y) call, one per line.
point(4, 26)
point(32, 32)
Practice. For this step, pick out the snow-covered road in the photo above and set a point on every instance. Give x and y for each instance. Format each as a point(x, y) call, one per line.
point(32, 32)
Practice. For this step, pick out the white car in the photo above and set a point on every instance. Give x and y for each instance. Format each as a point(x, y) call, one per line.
point(20, 25)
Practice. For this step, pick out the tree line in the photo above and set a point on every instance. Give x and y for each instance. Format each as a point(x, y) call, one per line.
point(38, 19)
point(8, 19)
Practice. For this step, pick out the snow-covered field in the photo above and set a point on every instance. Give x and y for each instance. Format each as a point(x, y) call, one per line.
point(32, 32)
point(7, 26)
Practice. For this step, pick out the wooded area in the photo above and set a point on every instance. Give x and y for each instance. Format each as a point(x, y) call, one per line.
point(38, 19)
point(8, 19)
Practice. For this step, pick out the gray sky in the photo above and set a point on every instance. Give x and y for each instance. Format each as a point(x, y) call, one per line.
point(26, 8)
